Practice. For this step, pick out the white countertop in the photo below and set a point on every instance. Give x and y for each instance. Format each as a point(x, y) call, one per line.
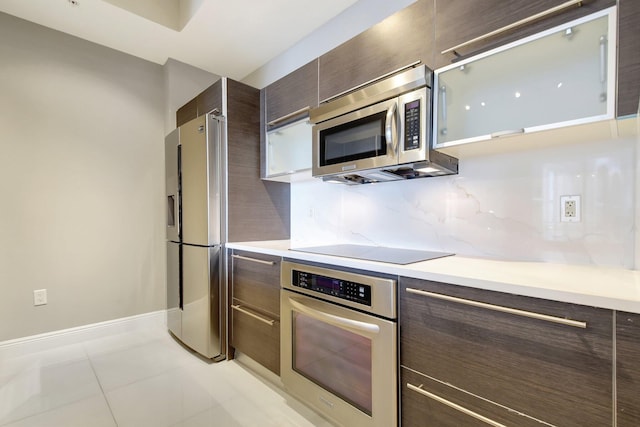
point(612, 288)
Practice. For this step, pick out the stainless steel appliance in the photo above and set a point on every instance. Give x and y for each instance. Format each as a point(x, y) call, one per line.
point(381, 132)
point(339, 343)
point(194, 183)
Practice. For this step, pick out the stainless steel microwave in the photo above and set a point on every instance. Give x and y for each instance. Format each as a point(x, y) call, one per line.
point(379, 133)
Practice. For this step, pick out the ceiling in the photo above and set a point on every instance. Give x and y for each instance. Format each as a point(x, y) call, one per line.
point(229, 38)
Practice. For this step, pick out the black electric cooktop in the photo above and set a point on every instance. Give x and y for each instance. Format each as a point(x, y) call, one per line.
point(375, 253)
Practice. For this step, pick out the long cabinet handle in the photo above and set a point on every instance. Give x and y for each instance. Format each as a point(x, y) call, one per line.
point(367, 83)
point(523, 313)
point(239, 308)
point(516, 24)
point(300, 112)
point(259, 261)
point(454, 406)
point(509, 132)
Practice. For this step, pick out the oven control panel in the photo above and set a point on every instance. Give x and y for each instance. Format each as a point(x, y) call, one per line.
point(343, 289)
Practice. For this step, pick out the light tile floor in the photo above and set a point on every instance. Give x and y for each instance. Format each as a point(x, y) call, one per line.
point(140, 379)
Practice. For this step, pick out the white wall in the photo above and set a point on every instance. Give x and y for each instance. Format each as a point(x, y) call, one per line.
point(81, 181)
point(503, 206)
point(182, 83)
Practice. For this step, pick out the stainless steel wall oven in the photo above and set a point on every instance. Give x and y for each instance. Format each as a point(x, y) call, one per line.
point(339, 343)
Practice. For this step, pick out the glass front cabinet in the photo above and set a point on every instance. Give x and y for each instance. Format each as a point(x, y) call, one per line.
point(561, 77)
point(288, 152)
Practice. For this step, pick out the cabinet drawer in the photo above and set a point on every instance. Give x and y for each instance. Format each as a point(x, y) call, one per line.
point(554, 372)
point(256, 281)
point(257, 335)
point(429, 403)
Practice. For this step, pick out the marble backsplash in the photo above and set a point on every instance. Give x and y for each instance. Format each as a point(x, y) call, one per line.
point(504, 206)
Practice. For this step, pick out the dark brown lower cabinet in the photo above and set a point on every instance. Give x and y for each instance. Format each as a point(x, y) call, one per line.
point(427, 402)
point(255, 307)
point(628, 369)
point(257, 335)
point(492, 354)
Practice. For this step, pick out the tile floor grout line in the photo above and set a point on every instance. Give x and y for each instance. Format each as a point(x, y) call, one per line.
point(26, 417)
point(104, 395)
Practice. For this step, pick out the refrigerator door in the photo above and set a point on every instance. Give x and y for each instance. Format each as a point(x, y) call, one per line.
point(200, 183)
point(202, 323)
point(174, 300)
point(171, 143)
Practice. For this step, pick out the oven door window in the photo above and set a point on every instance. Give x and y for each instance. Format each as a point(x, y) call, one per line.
point(336, 359)
point(359, 139)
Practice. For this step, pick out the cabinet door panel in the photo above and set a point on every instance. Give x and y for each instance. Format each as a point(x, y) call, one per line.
point(557, 373)
point(187, 112)
point(210, 99)
point(257, 339)
point(458, 21)
point(628, 57)
point(399, 40)
point(628, 368)
point(420, 410)
point(550, 81)
point(293, 92)
point(255, 283)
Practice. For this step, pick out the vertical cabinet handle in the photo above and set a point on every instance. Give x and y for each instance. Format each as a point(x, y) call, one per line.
point(499, 308)
point(454, 406)
point(443, 110)
point(603, 67)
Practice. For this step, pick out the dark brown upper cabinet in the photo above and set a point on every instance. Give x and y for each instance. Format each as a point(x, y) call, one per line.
point(206, 101)
point(628, 57)
point(400, 40)
point(293, 94)
point(257, 210)
point(459, 21)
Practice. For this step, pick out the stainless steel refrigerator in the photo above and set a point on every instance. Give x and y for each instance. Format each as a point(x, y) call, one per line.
point(194, 189)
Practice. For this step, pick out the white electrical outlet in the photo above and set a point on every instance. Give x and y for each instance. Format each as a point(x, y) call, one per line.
point(40, 297)
point(570, 209)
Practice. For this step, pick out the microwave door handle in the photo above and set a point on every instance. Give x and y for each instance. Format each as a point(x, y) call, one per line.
point(368, 330)
point(390, 128)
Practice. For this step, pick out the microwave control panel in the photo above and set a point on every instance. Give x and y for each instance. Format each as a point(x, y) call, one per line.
point(343, 289)
point(412, 125)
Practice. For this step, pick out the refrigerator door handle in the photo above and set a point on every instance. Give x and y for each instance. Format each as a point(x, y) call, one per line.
point(181, 279)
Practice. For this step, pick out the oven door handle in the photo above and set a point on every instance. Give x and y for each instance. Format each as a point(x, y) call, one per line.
point(365, 329)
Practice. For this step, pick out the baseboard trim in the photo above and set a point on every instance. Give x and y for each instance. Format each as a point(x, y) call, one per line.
point(49, 340)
